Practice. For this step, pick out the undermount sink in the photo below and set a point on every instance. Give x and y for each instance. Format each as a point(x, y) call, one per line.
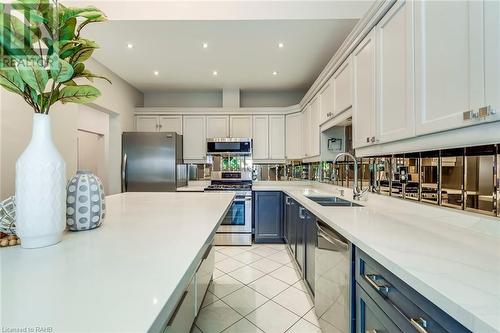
point(333, 201)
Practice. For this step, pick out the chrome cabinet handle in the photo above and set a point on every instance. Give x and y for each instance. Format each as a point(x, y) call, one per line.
point(367, 140)
point(124, 173)
point(419, 324)
point(371, 278)
point(372, 139)
point(287, 201)
point(343, 246)
point(332, 238)
point(301, 213)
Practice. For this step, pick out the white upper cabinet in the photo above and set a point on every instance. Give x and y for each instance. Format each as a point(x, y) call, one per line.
point(342, 88)
point(276, 137)
point(306, 131)
point(326, 101)
point(146, 124)
point(449, 63)
point(260, 137)
point(315, 119)
point(492, 56)
point(171, 124)
point(294, 136)
point(395, 112)
point(241, 126)
point(217, 126)
point(364, 101)
point(194, 137)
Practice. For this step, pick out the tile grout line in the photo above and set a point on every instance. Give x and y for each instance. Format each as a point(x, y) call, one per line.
point(288, 252)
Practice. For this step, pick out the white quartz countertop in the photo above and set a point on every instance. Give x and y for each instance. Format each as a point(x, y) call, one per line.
point(125, 276)
point(194, 186)
point(450, 257)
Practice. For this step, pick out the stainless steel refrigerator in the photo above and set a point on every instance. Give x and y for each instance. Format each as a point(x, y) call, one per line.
point(152, 162)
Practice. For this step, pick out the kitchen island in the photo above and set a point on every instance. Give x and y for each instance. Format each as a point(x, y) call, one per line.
point(126, 276)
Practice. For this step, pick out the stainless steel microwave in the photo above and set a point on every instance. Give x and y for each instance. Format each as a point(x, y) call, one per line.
point(235, 146)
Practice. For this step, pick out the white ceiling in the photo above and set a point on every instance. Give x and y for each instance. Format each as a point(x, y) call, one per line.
point(244, 53)
point(242, 37)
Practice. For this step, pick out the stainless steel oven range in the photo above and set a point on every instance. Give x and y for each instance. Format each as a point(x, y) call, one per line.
point(236, 228)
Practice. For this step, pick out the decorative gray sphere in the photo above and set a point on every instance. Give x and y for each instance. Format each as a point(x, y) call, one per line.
point(85, 202)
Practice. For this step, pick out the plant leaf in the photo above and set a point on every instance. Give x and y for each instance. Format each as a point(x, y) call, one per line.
point(82, 55)
point(11, 80)
point(89, 75)
point(79, 67)
point(34, 96)
point(78, 94)
point(84, 23)
point(12, 45)
point(34, 75)
point(68, 30)
point(71, 12)
point(60, 69)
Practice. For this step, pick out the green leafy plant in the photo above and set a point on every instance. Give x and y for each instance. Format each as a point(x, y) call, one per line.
point(43, 52)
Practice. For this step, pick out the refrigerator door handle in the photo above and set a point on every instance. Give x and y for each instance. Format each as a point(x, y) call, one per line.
point(124, 173)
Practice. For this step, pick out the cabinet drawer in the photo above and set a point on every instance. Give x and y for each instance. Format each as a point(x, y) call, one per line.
point(409, 310)
point(183, 316)
point(369, 317)
point(204, 275)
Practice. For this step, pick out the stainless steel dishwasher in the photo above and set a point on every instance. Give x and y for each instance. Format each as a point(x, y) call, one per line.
point(333, 269)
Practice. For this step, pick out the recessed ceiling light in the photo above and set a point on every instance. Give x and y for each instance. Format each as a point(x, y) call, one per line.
point(281, 45)
point(215, 73)
point(205, 45)
point(130, 45)
point(156, 73)
point(275, 73)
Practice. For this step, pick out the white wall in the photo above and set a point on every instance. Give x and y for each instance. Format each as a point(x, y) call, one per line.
point(215, 99)
point(183, 98)
point(94, 121)
point(118, 100)
point(270, 98)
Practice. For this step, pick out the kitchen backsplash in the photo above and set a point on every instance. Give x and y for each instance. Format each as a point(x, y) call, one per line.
point(463, 178)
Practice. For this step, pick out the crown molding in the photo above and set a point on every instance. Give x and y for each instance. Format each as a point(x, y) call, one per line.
point(217, 110)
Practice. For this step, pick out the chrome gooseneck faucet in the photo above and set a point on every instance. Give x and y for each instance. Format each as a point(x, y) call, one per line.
point(358, 193)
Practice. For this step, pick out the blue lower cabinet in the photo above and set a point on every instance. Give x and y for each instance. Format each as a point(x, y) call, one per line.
point(268, 217)
point(404, 306)
point(369, 317)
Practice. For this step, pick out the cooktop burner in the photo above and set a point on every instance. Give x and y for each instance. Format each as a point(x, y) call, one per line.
point(229, 187)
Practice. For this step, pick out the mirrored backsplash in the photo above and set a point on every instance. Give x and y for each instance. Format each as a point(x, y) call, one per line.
point(463, 178)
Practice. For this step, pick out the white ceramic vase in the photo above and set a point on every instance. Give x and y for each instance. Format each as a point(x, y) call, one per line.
point(40, 189)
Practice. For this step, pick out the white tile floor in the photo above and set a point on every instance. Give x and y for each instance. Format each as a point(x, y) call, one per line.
point(256, 289)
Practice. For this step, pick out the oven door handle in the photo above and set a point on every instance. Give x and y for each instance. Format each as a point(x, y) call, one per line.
point(242, 199)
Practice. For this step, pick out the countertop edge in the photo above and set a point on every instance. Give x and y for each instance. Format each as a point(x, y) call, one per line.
point(168, 308)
